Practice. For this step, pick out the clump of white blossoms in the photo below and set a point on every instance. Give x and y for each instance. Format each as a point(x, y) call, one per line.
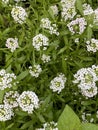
point(68, 9)
point(45, 58)
point(5, 1)
point(92, 45)
point(95, 21)
point(10, 99)
point(7, 80)
point(46, 24)
point(58, 83)
point(19, 14)
point(87, 117)
point(86, 79)
point(40, 41)
point(76, 40)
point(87, 9)
point(54, 9)
point(5, 113)
point(51, 126)
point(12, 43)
point(95, 69)
point(77, 26)
point(85, 75)
point(92, 91)
point(35, 70)
point(28, 101)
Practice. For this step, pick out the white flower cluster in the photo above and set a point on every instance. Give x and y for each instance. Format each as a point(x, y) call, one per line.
point(58, 83)
point(5, 1)
point(77, 26)
point(76, 40)
point(12, 43)
point(87, 117)
point(45, 58)
point(87, 9)
point(86, 79)
point(40, 41)
point(51, 126)
point(28, 101)
point(68, 9)
point(96, 16)
point(54, 9)
point(5, 113)
point(92, 45)
point(19, 14)
point(7, 80)
point(10, 99)
point(46, 24)
point(35, 70)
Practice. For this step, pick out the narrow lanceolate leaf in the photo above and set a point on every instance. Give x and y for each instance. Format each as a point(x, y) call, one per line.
point(22, 75)
point(89, 126)
point(69, 120)
point(89, 33)
point(1, 95)
point(79, 6)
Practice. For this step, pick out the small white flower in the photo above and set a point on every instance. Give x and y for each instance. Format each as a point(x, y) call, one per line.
point(58, 83)
point(7, 80)
point(12, 43)
point(68, 9)
point(51, 126)
point(35, 70)
point(76, 40)
point(95, 69)
point(54, 9)
point(85, 75)
point(92, 45)
point(77, 26)
point(95, 21)
point(91, 120)
point(97, 113)
point(28, 101)
point(46, 24)
point(68, 13)
point(5, 1)
point(87, 9)
point(19, 14)
point(10, 99)
point(90, 92)
point(86, 79)
point(5, 113)
point(40, 41)
point(45, 58)
point(85, 86)
point(68, 3)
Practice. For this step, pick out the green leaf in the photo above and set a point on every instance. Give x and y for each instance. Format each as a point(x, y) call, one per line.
point(26, 125)
point(89, 126)
point(61, 50)
point(9, 126)
point(79, 6)
point(69, 120)
point(22, 75)
point(1, 95)
point(89, 33)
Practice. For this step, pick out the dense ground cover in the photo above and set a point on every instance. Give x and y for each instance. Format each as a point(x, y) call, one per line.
point(48, 58)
